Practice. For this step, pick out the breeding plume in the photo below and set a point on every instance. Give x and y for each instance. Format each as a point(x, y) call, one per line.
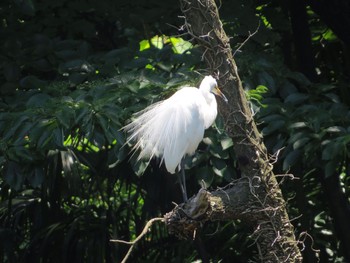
point(174, 127)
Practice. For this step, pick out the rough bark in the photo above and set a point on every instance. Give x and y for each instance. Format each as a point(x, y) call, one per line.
point(256, 198)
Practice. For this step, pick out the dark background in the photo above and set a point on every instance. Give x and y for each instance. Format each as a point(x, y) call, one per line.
point(72, 74)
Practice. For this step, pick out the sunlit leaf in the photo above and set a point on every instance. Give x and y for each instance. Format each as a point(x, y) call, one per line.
point(179, 45)
point(144, 44)
point(157, 41)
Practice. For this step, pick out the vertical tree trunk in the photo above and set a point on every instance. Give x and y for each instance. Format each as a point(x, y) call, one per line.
point(274, 233)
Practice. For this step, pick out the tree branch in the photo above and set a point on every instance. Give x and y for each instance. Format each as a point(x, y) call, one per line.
point(133, 243)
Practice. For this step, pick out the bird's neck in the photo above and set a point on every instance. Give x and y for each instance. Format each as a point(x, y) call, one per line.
point(211, 108)
point(209, 97)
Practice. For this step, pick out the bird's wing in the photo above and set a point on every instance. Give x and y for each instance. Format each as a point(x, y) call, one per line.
point(186, 127)
point(171, 128)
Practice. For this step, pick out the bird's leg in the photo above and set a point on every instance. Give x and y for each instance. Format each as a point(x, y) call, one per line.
point(182, 180)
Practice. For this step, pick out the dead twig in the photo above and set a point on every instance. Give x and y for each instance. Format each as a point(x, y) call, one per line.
point(133, 243)
point(246, 40)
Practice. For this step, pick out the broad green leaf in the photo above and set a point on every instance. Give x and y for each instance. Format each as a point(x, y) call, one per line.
point(205, 174)
point(12, 130)
point(36, 178)
point(219, 166)
point(226, 143)
point(38, 100)
point(291, 159)
point(298, 125)
point(267, 80)
point(330, 168)
point(44, 138)
point(144, 44)
point(300, 143)
point(332, 149)
point(180, 45)
point(65, 116)
point(13, 176)
point(58, 137)
point(335, 129)
point(272, 118)
point(296, 98)
point(77, 78)
point(273, 126)
point(157, 41)
point(32, 82)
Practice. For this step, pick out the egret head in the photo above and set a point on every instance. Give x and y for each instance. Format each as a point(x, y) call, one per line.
point(210, 84)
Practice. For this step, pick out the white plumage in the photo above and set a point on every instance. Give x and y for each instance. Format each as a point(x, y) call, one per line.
point(172, 128)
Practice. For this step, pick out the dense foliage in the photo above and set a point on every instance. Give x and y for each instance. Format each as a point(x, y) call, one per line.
point(72, 75)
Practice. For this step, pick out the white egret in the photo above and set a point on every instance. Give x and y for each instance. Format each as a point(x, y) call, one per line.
point(172, 128)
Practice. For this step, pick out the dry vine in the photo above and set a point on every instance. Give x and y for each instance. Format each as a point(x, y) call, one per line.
point(133, 243)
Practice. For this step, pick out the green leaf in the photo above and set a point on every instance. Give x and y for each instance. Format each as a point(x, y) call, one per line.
point(77, 78)
point(335, 129)
point(15, 126)
point(300, 143)
point(144, 44)
point(299, 77)
point(139, 167)
point(273, 126)
point(297, 125)
point(77, 65)
point(330, 168)
point(332, 149)
point(267, 80)
point(205, 174)
point(13, 176)
point(291, 159)
point(180, 45)
point(44, 138)
point(333, 97)
point(104, 123)
point(219, 166)
point(137, 63)
point(296, 98)
point(297, 136)
point(157, 41)
point(58, 137)
point(81, 113)
point(272, 118)
point(226, 143)
point(32, 82)
point(36, 178)
point(38, 100)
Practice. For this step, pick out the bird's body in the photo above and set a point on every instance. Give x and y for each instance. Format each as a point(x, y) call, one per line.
point(172, 128)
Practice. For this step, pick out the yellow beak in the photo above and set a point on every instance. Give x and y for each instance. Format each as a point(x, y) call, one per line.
point(218, 92)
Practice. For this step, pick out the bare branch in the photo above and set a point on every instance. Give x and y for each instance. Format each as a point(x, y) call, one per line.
point(133, 243)
point(246, 40)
